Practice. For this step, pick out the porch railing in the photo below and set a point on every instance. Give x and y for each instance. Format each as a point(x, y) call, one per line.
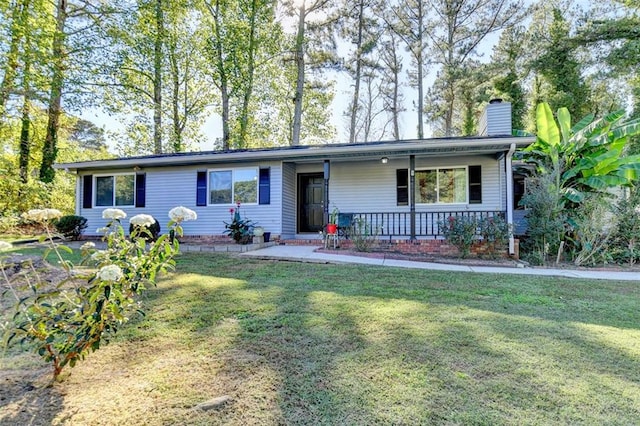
point(427, 224)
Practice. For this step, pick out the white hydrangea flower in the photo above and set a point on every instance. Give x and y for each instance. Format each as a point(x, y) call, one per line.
point(49, 214)
point(88, 245)
point(182, 214)
point(5, 246)
point(42, 215)
point(113, 214)
point(102, 230)
point(110, 273)
point(142, 220)
point(96, 257)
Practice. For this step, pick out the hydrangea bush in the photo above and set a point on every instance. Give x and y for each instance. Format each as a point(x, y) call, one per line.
point(64, 322)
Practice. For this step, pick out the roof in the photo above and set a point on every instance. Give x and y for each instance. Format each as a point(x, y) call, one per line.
point(310, 153)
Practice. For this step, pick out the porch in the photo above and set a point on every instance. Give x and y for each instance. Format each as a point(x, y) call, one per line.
point(412, 225)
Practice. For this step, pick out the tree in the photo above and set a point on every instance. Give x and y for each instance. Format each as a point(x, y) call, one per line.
point(456, 28)
point(87, 135)
point(408, 20)
point(134, 63)
point(360, 28)
point(304, 10)
point(556, 63)
point(390, 88)
point(242, 36)
point(188, 92)
point(614, 41)
point(58, 60)
point(507, 67)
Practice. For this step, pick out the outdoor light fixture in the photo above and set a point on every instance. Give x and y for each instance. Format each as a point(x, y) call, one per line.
point(384, 160)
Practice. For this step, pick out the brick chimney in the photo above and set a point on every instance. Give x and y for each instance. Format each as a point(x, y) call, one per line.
point(495, 119)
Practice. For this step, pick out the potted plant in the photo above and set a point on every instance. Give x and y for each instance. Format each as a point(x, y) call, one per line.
point(241, 230)
point(332, 226)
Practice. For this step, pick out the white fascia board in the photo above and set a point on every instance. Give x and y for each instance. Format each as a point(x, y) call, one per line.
point(304, 152)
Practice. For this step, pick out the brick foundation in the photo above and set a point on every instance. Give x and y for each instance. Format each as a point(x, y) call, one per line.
point(427, 246)
point(215, 239)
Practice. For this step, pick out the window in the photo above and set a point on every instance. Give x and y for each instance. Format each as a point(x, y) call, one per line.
point(402, 187)
point(231, 186)
point(444, 186)
point(117, 190)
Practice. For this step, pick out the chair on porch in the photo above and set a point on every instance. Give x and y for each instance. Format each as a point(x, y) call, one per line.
point(344, 225)
point(344, 228)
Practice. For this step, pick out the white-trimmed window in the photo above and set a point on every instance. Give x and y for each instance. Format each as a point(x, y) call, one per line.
point(115, 190)
point(441, 186)
point(232, 186)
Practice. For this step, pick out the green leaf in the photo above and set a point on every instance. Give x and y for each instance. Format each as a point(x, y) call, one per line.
point(580, 125)
point(602, 182)
point(573, 195)
point(564, 119)
point(65, 248)
point(547, 129)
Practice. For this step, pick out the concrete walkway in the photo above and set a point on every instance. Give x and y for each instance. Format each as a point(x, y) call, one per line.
point(308, 254)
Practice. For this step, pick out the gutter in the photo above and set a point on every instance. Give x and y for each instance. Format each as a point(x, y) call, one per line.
point(348, 151)
point(509, 176)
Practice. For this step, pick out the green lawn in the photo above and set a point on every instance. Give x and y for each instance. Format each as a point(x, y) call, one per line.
point(297, 343)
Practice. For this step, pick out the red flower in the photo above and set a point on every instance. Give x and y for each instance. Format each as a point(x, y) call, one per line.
point(231, 210)
point(238, 204)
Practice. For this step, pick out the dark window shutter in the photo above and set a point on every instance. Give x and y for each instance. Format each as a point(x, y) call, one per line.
point(265, 186)
point(402, 187)
point(141, 183)
point(87, 191)
point(475, 185)
point(201, 189)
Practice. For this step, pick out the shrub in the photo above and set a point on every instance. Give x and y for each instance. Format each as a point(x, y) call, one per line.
point(71, 226)
point(362, 235)
point(546, 218)
point(625, 247)
point(64, 321)
point(460, 231)
point(589, 237)
point(495, 233)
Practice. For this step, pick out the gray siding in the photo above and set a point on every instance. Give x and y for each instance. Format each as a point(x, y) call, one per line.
point(170, 187)
point(355, 186)
point(371, 186)
point(495, 120)
point(288, 200)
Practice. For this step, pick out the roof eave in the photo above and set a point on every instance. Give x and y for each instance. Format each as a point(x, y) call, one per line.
point(426, 147)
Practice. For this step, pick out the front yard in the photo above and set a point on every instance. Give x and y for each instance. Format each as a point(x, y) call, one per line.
point(294, 343)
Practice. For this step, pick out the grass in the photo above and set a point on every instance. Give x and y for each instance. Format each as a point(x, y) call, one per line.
point(296, 343)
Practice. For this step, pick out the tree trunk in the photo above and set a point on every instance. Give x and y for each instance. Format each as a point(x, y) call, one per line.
point(297, 99)
point(220, 65)
point(246, 98)
point(396, 106)
point(50, 149)
point(420, 64)
point(25, 142)
point(176, 136)
point(157, 79)
point(11, 59)
point(356, 90)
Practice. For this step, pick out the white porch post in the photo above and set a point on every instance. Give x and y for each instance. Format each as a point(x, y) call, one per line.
point(412, 202)
point(509, 177)
point(78, 194)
